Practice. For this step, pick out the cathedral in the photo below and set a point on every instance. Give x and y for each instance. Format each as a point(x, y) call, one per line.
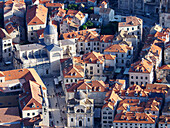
point(44, 55)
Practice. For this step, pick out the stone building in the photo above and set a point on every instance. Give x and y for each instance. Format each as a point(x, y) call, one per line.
point(133, 25)
point(43, 56)
point(6, 46)
point(164, 15)
point(141, 72)
point(139, 6)
point(36, 19)
point(80, 111)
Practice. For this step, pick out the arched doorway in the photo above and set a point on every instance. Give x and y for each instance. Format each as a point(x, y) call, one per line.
point(80, 123)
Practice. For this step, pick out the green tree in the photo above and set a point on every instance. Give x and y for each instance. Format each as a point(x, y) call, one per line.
point(72, 6)
point(83, 27)
point(89, 24)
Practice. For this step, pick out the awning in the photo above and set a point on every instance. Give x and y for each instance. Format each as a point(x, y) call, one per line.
point(118, 70)
point(126, 72)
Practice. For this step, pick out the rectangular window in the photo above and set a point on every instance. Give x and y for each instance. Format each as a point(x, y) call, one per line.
point(132, 83)
point(71, 119)
point(88, 119)
point(104, 117)
point(98, 71)
point(91, 68)
point(110, 117)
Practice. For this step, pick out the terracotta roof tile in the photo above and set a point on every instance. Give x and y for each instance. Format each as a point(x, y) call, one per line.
point(106, 38)
point(93, 57)
point(58, 5)
point(74, 72)
point(166, 67)
point(117, 48)
point(36, 14)
point(141, 66)
point(109, 57)
point(131, 21)
point(164, 119)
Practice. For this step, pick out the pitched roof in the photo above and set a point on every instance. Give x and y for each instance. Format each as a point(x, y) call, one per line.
point(32, 98)
point(36, 14)
point(109, 57)
point(164, 119)
point(130, 117)
point(58, 5)
point(141, 66)
point(27, 74)
point(93, 57)
point(166, 67)
point(73, 71)
point(109, 105)
point(131, 21)
point(9, 115)
point(120, 48)
point(4, 34)
point(106, 38)
point(94, 86)
point(83, 35)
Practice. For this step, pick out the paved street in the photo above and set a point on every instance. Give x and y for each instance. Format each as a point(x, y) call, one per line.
point(57, 106)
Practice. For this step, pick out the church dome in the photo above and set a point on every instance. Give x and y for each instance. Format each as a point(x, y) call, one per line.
point(50, 30)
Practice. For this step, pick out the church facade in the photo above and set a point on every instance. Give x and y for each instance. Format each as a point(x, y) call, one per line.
point(43, 56)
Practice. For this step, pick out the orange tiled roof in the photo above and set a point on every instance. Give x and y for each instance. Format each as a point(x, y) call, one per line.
point(27, 74)
point(95, 86)
point(141, 66)
point(59, 12)
point(36, 14)
point(164, 119)
point(31, 99)
point(158, 88)
point(83, 35)
point(109, 57)
point(120, 48)
point(59, 5)
point(9, 115)
point(106, 38)
point(109, 105)
point(1, 74)
point(166, 67)
point(153, 104)
point(93, 57)
point(74, 71)
point(130, 117)
point(111, 96)
point(131, 21)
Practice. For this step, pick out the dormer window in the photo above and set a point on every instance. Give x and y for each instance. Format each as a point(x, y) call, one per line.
point(135, 94)
point(126, 93)
point(90, 60)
